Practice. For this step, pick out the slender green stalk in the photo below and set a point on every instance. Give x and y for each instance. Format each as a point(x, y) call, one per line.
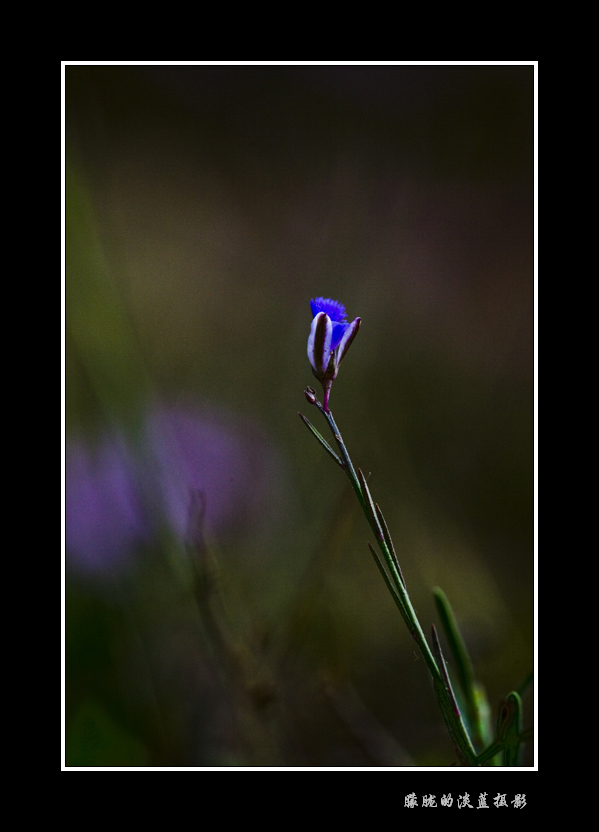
point(391, 572)
point(388, 541)
point(361, 488)
point(328, 342)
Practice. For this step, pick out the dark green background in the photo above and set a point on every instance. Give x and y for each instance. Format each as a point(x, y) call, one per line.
point(205, 206)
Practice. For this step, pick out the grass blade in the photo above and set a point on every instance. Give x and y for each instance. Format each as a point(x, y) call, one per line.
point(321, 439)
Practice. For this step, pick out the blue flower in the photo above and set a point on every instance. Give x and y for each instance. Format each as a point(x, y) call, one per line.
point(330, 338)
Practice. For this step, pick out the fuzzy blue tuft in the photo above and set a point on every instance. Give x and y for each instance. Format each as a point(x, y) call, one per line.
point(334, 309)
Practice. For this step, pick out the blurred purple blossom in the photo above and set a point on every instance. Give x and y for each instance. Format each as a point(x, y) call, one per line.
point(231, 464)
point(109, 489)
point(104, 520)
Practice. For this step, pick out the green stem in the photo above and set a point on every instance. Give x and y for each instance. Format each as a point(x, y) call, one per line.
point(397, 586)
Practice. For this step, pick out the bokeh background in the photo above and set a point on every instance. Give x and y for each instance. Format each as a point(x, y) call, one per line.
point(205, 207)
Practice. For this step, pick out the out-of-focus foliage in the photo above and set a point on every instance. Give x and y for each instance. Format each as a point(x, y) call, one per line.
point(222, 608)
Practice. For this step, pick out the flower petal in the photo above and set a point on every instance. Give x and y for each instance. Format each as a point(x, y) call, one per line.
point(319, 342)
point(348, 336)
point(339, 330)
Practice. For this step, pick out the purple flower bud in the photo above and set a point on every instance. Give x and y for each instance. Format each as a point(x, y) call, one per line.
point(330, 338)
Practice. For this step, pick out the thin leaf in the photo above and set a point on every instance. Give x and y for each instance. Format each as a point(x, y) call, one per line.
point(321, 439)
point(449, 707)
point(388, 541)
point(372, 515)
point(492, 751)
point(509, 735)
point(457, 645)
point(475, 700)
point(508, 728)
point(388, 581)
point(443, 668)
